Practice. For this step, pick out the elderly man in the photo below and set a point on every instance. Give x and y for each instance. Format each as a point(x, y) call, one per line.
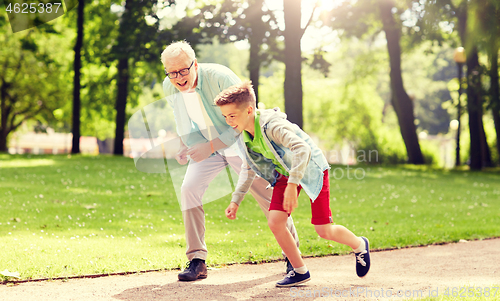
point(191, 89)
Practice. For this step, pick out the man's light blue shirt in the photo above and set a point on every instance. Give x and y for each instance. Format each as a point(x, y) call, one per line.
point(212, 79)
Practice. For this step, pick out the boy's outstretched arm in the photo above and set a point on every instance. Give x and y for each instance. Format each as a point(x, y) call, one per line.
point(245, 180)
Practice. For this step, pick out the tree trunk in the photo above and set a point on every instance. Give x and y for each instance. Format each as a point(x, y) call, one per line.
point(496, 120)
point(77, 64)
point(3, 119)
point(479, 151)
point(254, 66)
point(121, 104)
point(495, 95)
point(255, 40)
point(485, 148)
point(401, 102)
point(474, 107)
point(459, 114)
point(293, 61)
point(3, 141)
point(480, 155)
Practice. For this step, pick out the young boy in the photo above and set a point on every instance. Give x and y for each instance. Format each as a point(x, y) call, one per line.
point(281, 153)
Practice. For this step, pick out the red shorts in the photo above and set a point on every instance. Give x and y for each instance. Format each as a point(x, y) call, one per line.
point(320, 208)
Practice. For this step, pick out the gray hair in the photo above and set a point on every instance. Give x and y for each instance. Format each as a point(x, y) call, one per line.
point(177, 48)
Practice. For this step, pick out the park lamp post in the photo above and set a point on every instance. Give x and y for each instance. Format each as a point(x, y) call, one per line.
point(459, 58)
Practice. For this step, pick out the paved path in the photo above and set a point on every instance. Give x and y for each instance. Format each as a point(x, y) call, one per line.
point(416, 272)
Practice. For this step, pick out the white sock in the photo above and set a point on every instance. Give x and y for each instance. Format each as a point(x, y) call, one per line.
point(362, 246)
point(301, 270)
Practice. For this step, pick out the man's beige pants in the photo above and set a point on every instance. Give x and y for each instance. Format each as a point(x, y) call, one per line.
point(198, 177)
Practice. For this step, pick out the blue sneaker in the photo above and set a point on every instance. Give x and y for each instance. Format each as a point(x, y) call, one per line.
point(363, 260)
point(293, 279)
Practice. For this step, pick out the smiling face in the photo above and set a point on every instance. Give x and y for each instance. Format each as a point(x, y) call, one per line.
point(185, 83)
point(240, 118)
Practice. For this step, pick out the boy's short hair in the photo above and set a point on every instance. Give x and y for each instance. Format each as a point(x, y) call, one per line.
point(239, 94)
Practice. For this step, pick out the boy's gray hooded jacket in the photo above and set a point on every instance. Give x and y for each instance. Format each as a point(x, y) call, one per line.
point(292, 147)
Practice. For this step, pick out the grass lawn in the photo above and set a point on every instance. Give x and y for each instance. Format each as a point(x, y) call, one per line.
point(73, 215)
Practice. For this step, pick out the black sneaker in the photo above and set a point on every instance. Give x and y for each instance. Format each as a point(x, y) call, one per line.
point(289, 266)
point(363, 260)
point(293, 278)
point(195, 269)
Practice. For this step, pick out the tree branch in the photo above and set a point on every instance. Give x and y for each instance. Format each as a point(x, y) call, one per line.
point(309, 21)
point(23, 112)
point(14, 126)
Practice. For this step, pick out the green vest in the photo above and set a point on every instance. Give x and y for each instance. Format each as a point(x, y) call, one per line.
point(258, 145)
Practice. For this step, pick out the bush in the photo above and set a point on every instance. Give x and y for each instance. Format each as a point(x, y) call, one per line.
point(390, 146)
point(431, 153)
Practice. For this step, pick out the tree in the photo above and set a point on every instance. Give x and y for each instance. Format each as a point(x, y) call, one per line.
point(33, 81)
point(475, 109)
point(368, 16)
point(479, 150)
point(486, 18)
point(136, 41)
point(77, 64)
point(260, 34)
point(402, 103)
point(99, 72)
point(257, 37)
point(495, 92)
point(293, 61)
point(462, 15)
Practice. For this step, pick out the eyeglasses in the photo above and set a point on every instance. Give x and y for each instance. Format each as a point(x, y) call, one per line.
point(182, 72)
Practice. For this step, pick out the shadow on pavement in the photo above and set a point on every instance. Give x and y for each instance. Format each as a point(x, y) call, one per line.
point(198, 291)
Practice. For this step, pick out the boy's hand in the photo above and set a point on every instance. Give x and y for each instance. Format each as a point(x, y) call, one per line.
point(231, 210)
point(290, 201)
point(200, 152)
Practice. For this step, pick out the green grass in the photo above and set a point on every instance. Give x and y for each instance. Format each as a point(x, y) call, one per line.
point(62, 216)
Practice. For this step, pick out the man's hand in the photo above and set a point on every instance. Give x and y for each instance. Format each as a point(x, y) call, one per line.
point(181, 156)
point(200, 152)
point(290, 201)
point(231, 210)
